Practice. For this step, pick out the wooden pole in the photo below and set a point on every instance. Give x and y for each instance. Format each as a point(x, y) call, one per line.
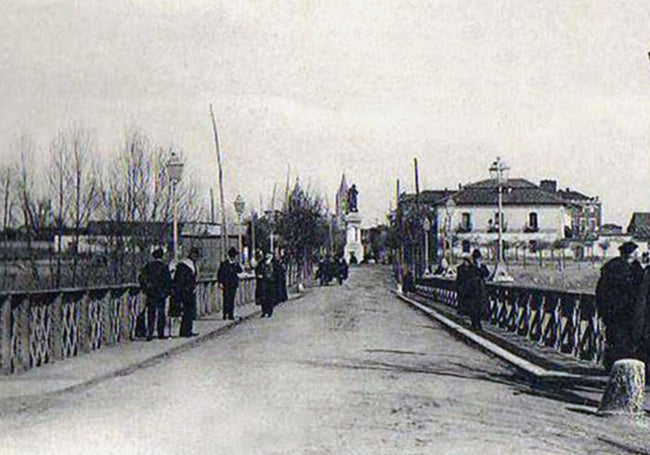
point(224, 228)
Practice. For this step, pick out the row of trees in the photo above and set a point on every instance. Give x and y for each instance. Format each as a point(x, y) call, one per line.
point(55, 191)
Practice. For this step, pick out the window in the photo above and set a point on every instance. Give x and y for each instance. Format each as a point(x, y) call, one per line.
point(533, 222)
point(466, 222)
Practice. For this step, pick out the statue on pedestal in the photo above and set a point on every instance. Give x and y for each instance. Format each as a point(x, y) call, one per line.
point(352, 199)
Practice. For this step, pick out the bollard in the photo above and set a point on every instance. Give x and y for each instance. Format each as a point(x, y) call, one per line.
point(399, 288)
point(625, 393)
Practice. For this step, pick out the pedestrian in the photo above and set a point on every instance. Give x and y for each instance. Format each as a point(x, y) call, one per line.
point(409, 282)
point(618, 293)
point(185, 278)
point(156, 283)
point(280, 270)
point(471, 289)
point(342, 273)
point(228, 278)
point(266, 291)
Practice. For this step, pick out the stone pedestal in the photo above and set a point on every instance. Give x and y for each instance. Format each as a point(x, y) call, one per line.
point(353, 237)
point(625, 393)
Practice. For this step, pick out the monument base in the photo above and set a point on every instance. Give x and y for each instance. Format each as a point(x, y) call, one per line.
point(353, 246)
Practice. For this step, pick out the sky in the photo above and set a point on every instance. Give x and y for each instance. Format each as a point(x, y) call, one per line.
point(559, 89)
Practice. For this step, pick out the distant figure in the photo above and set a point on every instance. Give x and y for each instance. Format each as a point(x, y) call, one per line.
point(156, 282)
point(342, 272)
point(280, 271)
point(618, 299)
point(228, 279)
point(352, 199)
point(266, 291)
point(185, 279)
point(324, 271)
point(408, 284)
point(470, 288)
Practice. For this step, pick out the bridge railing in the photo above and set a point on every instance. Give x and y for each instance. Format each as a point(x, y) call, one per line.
point(45, 326)
point(565, 321)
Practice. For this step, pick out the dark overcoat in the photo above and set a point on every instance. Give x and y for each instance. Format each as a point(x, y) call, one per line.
point(184, 293)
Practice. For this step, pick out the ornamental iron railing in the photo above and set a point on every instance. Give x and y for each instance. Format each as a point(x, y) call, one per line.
point(45, 326)
point(565, 321)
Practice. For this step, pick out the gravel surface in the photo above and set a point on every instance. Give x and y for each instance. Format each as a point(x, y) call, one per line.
point(344, 370)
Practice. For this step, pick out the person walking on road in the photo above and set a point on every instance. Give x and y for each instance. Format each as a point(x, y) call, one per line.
point(618, 298)
point(156, 282)
point(228, 278)
point(471, 291)
point(185, 279)
point(265, 293)
point(342, 272)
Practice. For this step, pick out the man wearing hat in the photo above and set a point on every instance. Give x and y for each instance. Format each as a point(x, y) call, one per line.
point(185, 279)
point(228, 279)
point(470, 288)
point(617, 300)
point(156, 283)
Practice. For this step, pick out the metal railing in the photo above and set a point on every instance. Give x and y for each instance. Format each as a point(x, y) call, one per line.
point(565, 321)
point(45, 326)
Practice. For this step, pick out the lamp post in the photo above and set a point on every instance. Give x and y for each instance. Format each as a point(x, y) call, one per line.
point(239, 209)
point(426, 225)
point(450, 207)
point(175, 170)
point(499, 172)
point(271, 216)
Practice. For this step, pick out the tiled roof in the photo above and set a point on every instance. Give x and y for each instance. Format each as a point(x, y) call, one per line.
point(518, 195)
point(492, 184)
point(430, 197)
point(572, 195)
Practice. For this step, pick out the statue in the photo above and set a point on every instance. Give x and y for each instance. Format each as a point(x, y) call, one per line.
point(352, 199)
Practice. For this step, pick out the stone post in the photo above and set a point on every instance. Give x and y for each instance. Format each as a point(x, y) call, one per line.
point(625, 393)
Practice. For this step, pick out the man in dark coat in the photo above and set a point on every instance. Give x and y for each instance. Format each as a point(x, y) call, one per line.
point(266, 292)
point(228, 279)
point(156, 282)
point(617, 301)
point(342, 274)
point(470, 287)
point(185, 279)
point(280, 271)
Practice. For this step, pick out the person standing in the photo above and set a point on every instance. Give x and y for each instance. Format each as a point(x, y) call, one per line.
point(280, 270)
point(228, 279)
point(185, 278)
point(156, 282)
point(342, 273)
point(618, 293)
point(471, 290)
point(265, 293)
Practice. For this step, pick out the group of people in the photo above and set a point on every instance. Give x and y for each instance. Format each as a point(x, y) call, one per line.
point(158, 282)
point(177, 282)
point(623, 303)
point(329, 269)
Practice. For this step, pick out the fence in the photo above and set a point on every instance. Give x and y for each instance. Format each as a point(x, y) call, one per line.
point(565, 321)
point(45, 326)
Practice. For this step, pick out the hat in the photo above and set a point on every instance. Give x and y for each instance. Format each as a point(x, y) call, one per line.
point(476, 254)
point(232, 252)
point(627, 248)
point(158, 253)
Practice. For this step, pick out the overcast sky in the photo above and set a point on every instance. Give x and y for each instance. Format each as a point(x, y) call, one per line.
point(560, 89)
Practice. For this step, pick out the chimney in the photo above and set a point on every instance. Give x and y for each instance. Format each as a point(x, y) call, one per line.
point(548, 185)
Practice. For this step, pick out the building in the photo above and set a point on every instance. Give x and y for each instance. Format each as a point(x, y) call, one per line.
point(585, 211)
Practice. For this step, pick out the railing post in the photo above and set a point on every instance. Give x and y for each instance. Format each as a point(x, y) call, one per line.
point(84, 324)
point(5, 335)
point(56, 328)
point(22, 319)
point(106, 314)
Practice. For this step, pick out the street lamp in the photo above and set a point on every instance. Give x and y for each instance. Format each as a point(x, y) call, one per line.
point(239, 208)
point(499, 172)
point(175, 170)
point(450, 207)
point(426, 225)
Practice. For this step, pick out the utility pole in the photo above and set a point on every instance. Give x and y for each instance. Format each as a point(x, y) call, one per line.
point(224, 229)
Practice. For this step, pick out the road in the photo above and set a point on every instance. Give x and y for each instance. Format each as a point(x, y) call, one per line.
point(343, 370)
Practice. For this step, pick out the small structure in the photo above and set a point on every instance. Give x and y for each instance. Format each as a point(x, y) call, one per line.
point(625, 393)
